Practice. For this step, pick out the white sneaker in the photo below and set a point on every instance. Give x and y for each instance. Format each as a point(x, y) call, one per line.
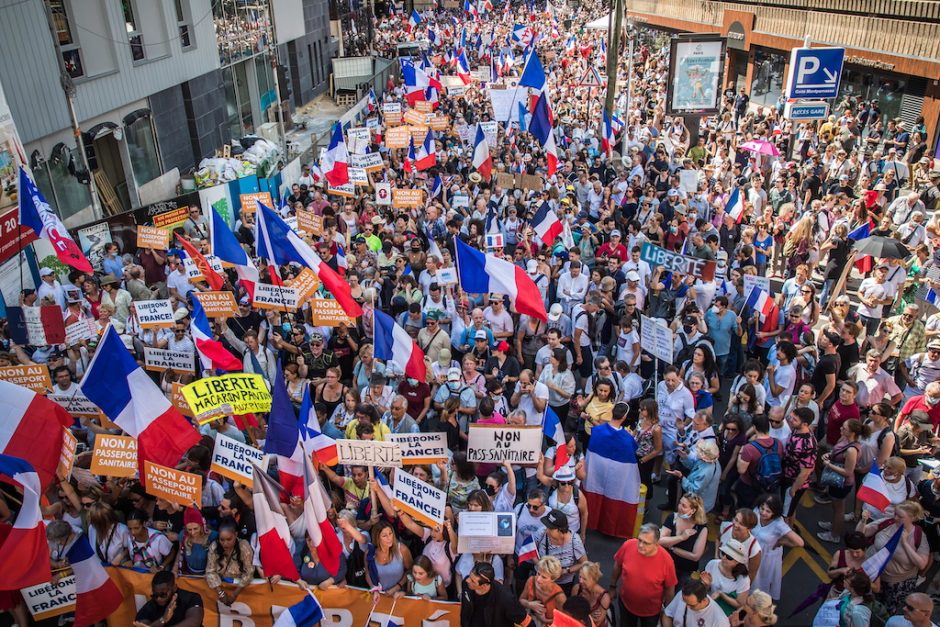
point(850, 517)
point(827, 536)
point(823, 524)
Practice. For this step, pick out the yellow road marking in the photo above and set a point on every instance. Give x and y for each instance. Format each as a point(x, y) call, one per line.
point(811, 540)
point(794, 555)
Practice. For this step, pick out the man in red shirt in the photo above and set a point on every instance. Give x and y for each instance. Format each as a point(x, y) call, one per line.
point(842, 410)
point(928, 402)
point(613, 248)
point(647, 577)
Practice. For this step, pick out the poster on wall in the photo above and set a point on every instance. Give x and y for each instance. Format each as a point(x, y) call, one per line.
point(12, 156)
point(695, 68)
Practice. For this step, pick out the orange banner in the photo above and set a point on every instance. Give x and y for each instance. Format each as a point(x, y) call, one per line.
point(259, 604)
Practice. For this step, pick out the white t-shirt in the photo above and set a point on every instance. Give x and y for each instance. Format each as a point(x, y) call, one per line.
point(672, 405)
point(871, 289)
point(720, 583)
point(683, 616)
point(533, 417)
point(112, 544)
point(785, 377)
point(625, 342)
point(751, 545)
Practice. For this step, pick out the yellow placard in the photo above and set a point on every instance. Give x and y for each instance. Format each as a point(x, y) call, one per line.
point(152, 237)
point(407, 197)
point(218, 304)
point(229, 394)
point(326, 312)
point(176, 486)
point(114, 456)
point(34, 377)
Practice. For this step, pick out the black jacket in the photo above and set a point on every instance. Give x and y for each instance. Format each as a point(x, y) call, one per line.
point(500, 608)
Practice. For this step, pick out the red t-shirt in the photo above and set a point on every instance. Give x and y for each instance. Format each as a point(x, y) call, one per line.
point(838, 415)
point(751, 455)
point(643, 580)
point(919, 404)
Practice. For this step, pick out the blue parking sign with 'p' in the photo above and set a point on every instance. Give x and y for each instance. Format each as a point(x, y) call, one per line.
point(815, 72)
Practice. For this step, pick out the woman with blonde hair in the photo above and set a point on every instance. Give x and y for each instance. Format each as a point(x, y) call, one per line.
point(541, 595)
point(798, 243)
point(684, 535)
point(758, 611)
point(590, 589)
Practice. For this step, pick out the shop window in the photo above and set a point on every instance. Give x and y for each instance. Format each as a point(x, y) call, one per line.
point(134, 38)
point(65, 33)
point(142, 148)
point(183, 24)
point(767, 81)
point(69, 195)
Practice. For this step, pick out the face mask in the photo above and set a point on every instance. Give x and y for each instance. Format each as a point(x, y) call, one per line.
point(453, 385)
point(931, 400)
point(490, 490)
point(684, 516)
point(688, 329)
point(716, 309)
point(412, 382)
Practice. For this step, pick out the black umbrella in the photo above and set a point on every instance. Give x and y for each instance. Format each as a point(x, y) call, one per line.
point(880, 246)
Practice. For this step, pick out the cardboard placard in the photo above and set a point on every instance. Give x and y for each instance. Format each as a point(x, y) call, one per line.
point(674, 262)
point(358, 177)
point(49, 600)
point(234, 460)
point(530, 182)
point(370, 162)
point(439, 123)
point(84, 329)
point(505, 180)
point(160, 359)
point(447, 276)
point(154, 314)
point(752, 280)
point(398, 137)
point(226, 395)
point(421, 501)
point(218, 304)
point(176, 486)
point(486, 532)
point(383, 194)
point(278, 297)
point(656, 338)
point(347, 190)
point(494, 444)
point(306, 283)
point(423, 106)
point(171, 219)
point(76, 404)
point(179, 401)
point(326, 312)
point(421, 448)
point(416, 118)
point(491, 131)
point(67, 455)
point(114, 456)
point(34, 377)
point(309, 221)
point(369, 453)
point(250, 201)
point(407, 197)
point(152, 237)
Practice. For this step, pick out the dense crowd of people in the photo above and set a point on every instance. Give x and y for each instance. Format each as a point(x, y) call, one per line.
point(762, 407)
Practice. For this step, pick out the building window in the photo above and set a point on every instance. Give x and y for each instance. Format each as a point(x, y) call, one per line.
point(142, 149)
point(767, 82)
point(241, 29)
point(69, 195)
point(183, 25)
point(134, 38)
point(65, 34)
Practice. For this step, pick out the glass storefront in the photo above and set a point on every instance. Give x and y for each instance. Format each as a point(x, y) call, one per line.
point(767, 81)
point(863, 84)
point(238, 100)
point(58, 184)
point(142, 149)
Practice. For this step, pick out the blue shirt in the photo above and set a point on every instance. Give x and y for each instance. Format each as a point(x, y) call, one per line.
point(114, 266)
point(721, 330)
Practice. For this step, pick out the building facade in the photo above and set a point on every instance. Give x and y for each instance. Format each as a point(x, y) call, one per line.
point(892, 48)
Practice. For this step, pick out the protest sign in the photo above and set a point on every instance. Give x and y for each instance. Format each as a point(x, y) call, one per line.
point(407, 197)
point(398, 137)
point(154, 314)
point(67, 455)
point(495, 444)
point(447, 276)
point(269, 296)
point(370, 162)
point(505, 180)
point(529, 182)
point(76, 404)
point(176, 486)
point(752, 280)
point(369, 453)
point(439, 123)
point(358, 140)
point(656, 338)
point(193, 273)
point(250, 201)
point(114, 456)
point(171, 219)
point(306, 283)
point(372, 124)
point(35, 377)
point(494, 241)
point(416, 118)
point(346, 190)
point(160, 359)
point(217, 304)
point(421, 448)
point(358, 177)
point(309, 221)
point(457, 91)
point(490, 130)
point(459, 201)
point(486, 532)
point(49, 600)
point(84, 329)
point(674, 262)
point(179, 401)
point(688, 180)
point(326, 312)
point(37, 326)
point(383, 194)
point(423, 106)
point(234, 460)
point(152, 237)
point(391, 108)
point(506, 103)
point(237, 393)
point(421, 501)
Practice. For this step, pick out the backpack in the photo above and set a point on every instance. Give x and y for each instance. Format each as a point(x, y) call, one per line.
point(769, 467)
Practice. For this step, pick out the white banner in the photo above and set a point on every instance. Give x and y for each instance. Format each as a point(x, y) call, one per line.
point(486, 532)
point(269, 296)
point(423, 502)
point(160, 359)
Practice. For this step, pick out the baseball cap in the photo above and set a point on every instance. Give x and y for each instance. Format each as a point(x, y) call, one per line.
point(921, 419)
point(554, 312)
point(555, 519)
point(615, 233)
point(46, 271)
point(673, 192)
point(453, 374)
point(532, 266)
point(935, 344)
point(633, 275)
point(480, 335)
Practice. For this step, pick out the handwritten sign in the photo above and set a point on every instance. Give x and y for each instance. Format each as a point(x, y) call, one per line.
point(369, 453)
point(752, 280)
point(234, 460)
point(250, 201)
point(486, 532)
point(490, 130)
point(656, 338)
point(229, 394)
point(176, 486)
point(447, 276)
point(160, 359)
point(67, 455)
point(326, 312)
point(114, 456)
point(35, 377)
point(495, 444)
point(407, 197)
point(269, 296)
point(309, 221)
point(421, 501)
point(505, 180)
point(218, 304)
point(84, 329)
point(674, 262)
point(152, 237)
point(49, 600)
point(358, 177)
point(154, 314)
point(421, 448)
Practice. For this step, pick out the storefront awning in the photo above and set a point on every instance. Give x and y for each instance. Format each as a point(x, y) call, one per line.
point(601, 23)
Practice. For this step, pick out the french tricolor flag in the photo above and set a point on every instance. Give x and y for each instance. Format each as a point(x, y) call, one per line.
point(612, 484)
point(24, 558)
point(735, 205)
point(875, 564)
point(335, 163)
point(607, 139)
point(225, 246)
point(426, 152)
point(27, 424)
point(482, 274)
point(393, 344)
point(372, 103)
point(342, 264)
point(760, 301)
point(414, 20)
point(311, 436)
point(874, 490)
point(307, 612)
point(416, 82)
point(273, 531)
point(463, 68)
point(482, 162)
point(546, 224)
point(551, 154)
point(319, 528)
point(866, 262)
point(411, 157)
point(131, 400)
point(551, 427)
point(96, 596)
point(212, 353)
point(283, 438)
point(528, 551)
